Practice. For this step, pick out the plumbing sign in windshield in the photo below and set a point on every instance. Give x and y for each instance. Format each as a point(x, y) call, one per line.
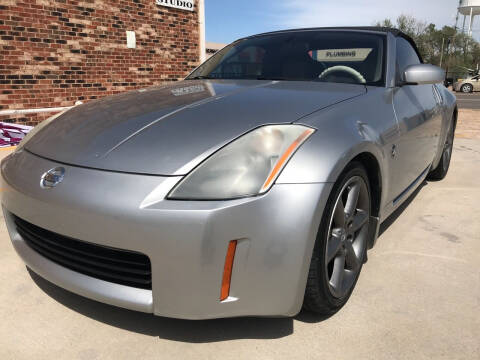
point(334, 55)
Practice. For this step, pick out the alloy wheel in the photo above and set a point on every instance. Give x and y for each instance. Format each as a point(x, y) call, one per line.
point(467, 88)
point(347, 236)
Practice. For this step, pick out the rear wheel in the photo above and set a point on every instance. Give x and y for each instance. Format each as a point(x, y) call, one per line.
point(466, 88)
point(442, 168)
point(341, 243)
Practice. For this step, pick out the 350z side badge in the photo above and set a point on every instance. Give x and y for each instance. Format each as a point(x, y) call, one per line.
point(52, 177)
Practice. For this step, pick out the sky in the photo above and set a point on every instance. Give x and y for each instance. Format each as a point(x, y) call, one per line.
point(228, 20)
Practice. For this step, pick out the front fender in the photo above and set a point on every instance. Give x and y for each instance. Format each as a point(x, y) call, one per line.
point(323, 158)
point(345, 131)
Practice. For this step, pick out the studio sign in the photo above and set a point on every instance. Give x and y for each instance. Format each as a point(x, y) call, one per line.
point(177, 4)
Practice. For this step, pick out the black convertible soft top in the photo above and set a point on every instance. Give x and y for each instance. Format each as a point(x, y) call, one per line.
point(381, 29)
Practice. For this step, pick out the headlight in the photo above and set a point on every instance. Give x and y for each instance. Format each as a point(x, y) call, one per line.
point(248, 166)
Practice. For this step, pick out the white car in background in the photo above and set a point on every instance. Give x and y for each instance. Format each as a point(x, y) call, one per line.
point(468, 85)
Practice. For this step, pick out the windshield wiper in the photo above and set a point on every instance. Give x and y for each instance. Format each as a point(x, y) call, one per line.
point(273, 78)
point(200, 77)
point(203, 77)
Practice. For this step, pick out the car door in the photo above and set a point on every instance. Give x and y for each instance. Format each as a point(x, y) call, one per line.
point(419, 117)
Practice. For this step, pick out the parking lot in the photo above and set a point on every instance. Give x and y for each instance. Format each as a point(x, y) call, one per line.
point(418, 296)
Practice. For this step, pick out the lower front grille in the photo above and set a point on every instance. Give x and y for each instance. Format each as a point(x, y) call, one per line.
point(102, 262)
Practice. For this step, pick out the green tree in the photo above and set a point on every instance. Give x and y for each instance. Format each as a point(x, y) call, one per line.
point(455, 50)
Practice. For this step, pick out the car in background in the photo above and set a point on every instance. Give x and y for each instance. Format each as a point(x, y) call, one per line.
point(468, 85)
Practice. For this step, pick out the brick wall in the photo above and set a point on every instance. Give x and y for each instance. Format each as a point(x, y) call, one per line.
point(56, 52)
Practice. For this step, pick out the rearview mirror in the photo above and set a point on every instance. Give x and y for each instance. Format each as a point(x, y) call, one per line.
point(423, 74)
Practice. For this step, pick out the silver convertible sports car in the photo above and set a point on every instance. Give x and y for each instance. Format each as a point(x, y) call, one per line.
point(254, 187)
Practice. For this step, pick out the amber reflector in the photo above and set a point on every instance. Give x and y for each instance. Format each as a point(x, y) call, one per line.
point(227, 270)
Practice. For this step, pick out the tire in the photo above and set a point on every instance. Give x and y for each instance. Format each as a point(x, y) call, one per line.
point(441, 170)
point(466, 88)
point(324, 294)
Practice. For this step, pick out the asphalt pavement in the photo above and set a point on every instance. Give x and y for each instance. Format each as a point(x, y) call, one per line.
point(468, 101)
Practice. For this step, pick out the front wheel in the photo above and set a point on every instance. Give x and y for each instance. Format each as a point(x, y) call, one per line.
point(466, 88)
point(341, 244)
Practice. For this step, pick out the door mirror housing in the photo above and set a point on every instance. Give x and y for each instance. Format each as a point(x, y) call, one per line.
point(422, 74)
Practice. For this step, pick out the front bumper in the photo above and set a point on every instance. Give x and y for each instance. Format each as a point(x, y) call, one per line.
point(186, 241)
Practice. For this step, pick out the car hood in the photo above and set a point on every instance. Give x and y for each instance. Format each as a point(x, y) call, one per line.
point(168, 130)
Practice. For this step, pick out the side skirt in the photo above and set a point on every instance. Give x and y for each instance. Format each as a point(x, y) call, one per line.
point(404, 195)
point(392, 206)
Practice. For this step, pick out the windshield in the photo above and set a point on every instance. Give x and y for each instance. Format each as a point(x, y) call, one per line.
point(328, 56)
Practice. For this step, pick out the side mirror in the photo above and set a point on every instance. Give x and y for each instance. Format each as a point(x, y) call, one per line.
point(422, 74)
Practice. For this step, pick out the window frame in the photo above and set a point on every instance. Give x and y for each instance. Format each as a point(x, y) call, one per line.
point(399, 73)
